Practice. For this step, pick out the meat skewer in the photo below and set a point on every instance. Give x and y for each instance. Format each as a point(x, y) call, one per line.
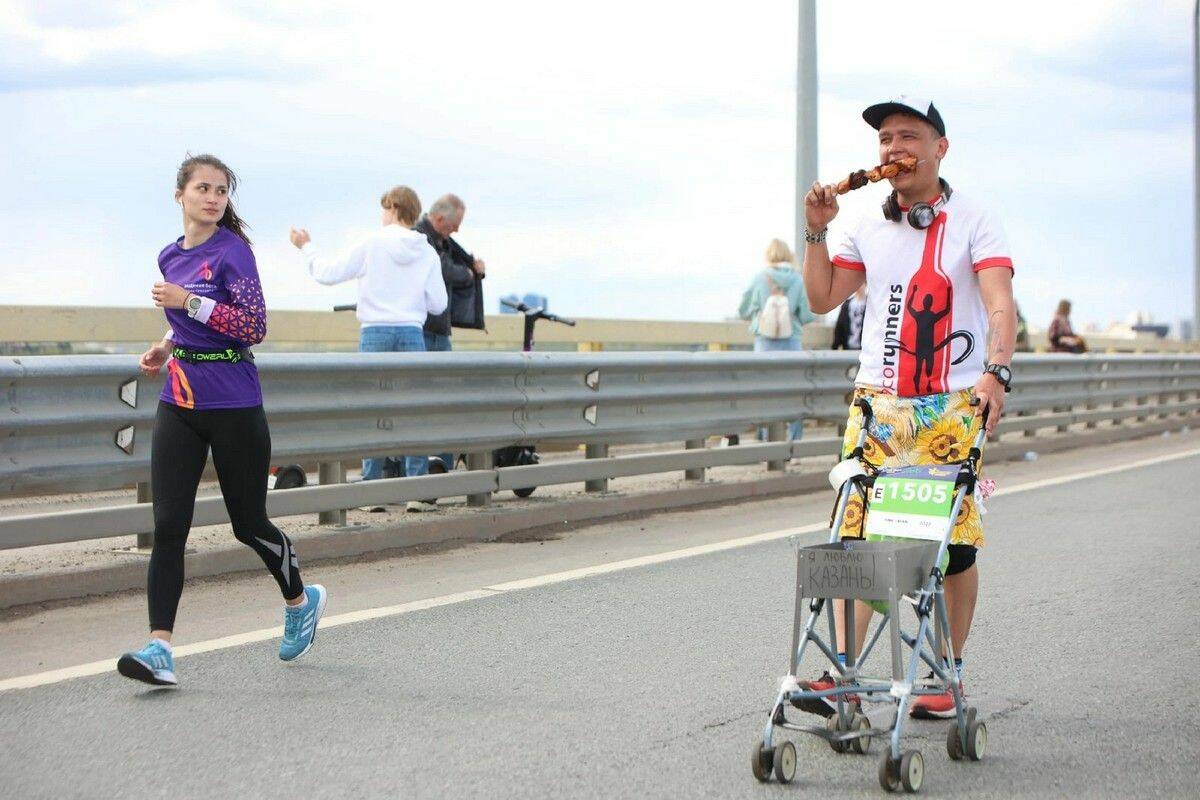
point(857, 180)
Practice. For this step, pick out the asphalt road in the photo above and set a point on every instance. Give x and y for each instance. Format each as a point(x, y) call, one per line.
point(650, 681)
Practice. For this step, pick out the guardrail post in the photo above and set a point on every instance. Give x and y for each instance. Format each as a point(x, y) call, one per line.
point(1140, 402)
point(145, 541)
point(1162, 401)
point(698, 473)
point(1117, 404)
point(596, 451)
point(1090, 406)
point(1029, 432)
point(777, 432)
point(330, 472)
point(1062, 410)
point(479, 461)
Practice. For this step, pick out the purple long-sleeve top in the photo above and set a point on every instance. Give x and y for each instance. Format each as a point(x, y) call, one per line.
point(223, 273)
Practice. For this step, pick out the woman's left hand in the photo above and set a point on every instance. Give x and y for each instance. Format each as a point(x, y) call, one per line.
point(168, 295)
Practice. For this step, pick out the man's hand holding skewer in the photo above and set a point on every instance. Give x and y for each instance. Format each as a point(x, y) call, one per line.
point(820, 204)
point(820, 207)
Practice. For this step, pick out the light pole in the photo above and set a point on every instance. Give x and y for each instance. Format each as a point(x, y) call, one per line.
point(806, 111)
point(1196, 172)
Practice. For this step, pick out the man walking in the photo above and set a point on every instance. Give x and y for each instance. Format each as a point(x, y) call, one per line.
point(938, 335)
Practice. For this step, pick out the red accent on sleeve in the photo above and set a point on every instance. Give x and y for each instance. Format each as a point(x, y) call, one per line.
point(845, 263)
point(999, 261)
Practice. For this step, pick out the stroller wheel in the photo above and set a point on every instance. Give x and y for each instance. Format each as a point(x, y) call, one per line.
point(861, 745)
point(954, 743)
point(976, 740)
point(912, 770)
point(834, 726)
point(760, 762)
point(784, 762)
point(889, 772)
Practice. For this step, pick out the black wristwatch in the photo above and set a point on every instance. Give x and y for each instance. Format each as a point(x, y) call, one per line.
point(1002, 373)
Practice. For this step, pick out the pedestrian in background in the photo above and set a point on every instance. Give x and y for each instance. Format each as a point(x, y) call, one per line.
point(462, 272)
point(776, 306)
point(463, 275)
point(847, 331)
point(399, 285)
point(1062, 336)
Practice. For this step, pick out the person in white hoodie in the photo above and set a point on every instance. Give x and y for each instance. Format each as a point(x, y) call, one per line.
point(399, 285)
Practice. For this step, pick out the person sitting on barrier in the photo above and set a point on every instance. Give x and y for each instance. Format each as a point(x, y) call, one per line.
point(1060, 333)
point(939, 285)
point(775, 305)
point(399, 285)
point(212, 400)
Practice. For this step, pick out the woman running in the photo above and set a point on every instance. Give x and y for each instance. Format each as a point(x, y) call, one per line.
point(212, 399)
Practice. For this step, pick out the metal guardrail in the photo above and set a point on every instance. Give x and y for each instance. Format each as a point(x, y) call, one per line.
point(80, 423)
point(24, 327)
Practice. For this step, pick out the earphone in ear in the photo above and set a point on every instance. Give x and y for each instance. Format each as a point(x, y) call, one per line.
point(921, 215)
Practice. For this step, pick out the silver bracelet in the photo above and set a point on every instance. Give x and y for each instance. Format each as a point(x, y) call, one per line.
point(815, 238)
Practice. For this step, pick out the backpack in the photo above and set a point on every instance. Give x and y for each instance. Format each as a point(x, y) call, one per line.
point(775, 319)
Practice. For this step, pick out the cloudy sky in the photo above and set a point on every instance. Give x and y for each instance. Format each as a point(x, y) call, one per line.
point(627, 159)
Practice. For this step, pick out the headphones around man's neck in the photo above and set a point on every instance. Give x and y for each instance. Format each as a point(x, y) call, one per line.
point(921, 215)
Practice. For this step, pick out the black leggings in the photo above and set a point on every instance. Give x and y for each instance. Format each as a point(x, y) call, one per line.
point(241, 452)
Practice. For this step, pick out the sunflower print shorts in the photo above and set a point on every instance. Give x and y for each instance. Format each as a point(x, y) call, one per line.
point(934, 429)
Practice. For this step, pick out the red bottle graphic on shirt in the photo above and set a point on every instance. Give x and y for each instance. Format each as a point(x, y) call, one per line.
point(925, 334)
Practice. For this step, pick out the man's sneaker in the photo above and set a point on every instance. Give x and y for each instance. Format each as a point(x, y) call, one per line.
point(821, 706)
point(153, 664)
point(300, 623)
point(934, 706)
point(417, 506)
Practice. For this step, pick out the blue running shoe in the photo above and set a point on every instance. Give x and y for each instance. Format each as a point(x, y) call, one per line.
point(300, 623)
point(153, 664)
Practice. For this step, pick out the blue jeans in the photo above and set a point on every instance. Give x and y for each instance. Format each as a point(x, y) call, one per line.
point(764, 345)
point(440, 343)
point(437, 342)
point(393, 339)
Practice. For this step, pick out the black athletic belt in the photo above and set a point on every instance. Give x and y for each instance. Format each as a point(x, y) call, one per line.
point(228, 356)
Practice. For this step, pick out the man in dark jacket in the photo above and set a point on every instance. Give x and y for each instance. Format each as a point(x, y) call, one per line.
point(462, 272)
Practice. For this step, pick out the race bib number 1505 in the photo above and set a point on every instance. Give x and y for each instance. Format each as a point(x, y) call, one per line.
point(910, 507)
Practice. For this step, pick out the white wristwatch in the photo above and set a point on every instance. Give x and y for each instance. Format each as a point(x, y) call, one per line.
point(193, 305)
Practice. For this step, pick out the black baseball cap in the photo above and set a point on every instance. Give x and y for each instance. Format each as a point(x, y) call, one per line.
point(904, 104)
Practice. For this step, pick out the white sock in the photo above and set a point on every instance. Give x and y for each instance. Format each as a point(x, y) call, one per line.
point(301, 604)
point(165, 644)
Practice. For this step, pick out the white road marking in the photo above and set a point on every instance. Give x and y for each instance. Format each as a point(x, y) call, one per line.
point(266, 634)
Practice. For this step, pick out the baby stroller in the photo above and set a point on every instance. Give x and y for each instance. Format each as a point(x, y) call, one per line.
point(901, 562)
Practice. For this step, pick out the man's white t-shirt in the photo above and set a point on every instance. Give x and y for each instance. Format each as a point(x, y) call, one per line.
point(926, 326)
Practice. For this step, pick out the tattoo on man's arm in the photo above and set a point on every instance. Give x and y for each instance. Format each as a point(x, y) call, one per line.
point(995, 335)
